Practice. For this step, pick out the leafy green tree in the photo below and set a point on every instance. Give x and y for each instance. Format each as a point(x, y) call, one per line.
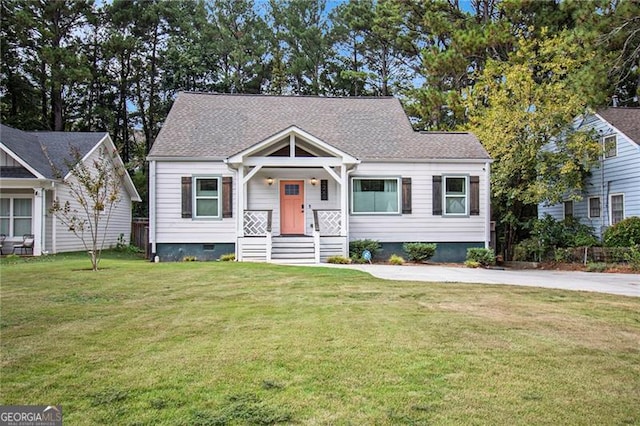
point(19, 97)
point(44, 37)
point(373, 47)
point(519, 106)
point(241, 46)
point(454, 45)
point(301, 33)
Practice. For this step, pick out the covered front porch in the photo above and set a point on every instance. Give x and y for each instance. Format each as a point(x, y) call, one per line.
point(292, 198)
point(24, 205)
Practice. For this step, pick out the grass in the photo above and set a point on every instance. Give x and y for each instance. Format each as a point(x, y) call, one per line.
point(218, 343)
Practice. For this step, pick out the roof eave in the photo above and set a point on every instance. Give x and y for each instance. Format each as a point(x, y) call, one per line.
point(23, 163)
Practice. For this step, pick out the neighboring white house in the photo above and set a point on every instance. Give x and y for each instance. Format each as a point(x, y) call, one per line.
point(34, 172)
point(295, 178)
point(612, 191)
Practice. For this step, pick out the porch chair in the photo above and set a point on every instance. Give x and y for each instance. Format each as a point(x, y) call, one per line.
point(27, 244)
point(2, 238)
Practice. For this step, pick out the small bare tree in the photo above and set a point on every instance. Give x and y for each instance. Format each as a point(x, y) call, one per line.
point(95, 191)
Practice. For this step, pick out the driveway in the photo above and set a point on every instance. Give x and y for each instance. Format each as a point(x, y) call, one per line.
point(621, 284)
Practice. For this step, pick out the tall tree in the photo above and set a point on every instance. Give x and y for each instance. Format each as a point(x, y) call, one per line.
point(301, 32)
point(520, 105)
point(241, 46)
point(48, 37)
point(454, 44)
point(19, 98)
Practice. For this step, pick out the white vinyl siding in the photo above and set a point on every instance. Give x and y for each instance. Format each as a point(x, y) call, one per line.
point(421, 224)
point(170, 226)
point(377, 195)
point(119, 222)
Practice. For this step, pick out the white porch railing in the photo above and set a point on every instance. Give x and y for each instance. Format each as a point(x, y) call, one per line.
point(256, 242)
point(257, 223)
point(327, 222)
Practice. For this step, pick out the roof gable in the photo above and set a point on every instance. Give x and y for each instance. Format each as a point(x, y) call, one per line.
point(218, 126)
point(293, 132)
point(47, 154)
point(625, 120)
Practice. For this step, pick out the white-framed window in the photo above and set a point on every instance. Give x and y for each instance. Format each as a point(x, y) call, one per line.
point(206, 197)
point(568, 209)
point(456, 195)
point(595, 209)
point(15, 216)
point(616, 207)
point(610, 146)
point(375, 195)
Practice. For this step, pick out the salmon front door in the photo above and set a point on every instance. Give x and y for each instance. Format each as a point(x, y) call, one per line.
point(292, 207)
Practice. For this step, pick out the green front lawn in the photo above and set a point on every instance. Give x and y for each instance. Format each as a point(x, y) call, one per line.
point(228, 343)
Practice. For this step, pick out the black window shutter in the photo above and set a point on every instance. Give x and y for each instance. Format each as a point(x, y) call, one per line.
point(186, 196)
point(437, 195)
point(474, 187)
point(227, 196)
point(324, 189)
point(406, 195)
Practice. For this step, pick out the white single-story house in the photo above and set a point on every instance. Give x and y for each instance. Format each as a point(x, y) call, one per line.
point(612, 189)
point(34, 172)
point(295, 178)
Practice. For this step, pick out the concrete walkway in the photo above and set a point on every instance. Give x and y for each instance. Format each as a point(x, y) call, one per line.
point(621, 284)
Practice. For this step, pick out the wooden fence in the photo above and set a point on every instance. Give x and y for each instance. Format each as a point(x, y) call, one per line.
point(140, 234)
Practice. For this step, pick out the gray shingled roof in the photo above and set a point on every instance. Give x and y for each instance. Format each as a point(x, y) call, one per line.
point(221, 125)
point(48, 152)
point(627, 120)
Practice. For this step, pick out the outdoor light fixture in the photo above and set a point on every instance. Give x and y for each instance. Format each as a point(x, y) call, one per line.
point(314, 181)
point(270, 181)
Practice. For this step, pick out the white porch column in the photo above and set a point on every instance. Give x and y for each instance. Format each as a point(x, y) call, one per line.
point(152, 207)
point(344, 201)
point(242, 189)
point(38, 221)
point(487, 207)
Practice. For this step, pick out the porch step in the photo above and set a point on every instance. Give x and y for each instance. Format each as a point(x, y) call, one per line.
point(292, 250)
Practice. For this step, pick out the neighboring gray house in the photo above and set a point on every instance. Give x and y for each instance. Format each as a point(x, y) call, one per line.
point(295, 178)
point(33, 173)
point(612, 191)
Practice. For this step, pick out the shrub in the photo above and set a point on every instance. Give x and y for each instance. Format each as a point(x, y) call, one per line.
point(123, 247)
point(358, 246)
point(528, 250)
point(189, 259)
point(563, 255)
point(633, 257)
point(596, 267)
point(396, 260)
point(472, 264)
point(623, 234)
point(483, 256)
point(548, 234)
point(419, 252)
point(229, 257)
point(339, 260)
